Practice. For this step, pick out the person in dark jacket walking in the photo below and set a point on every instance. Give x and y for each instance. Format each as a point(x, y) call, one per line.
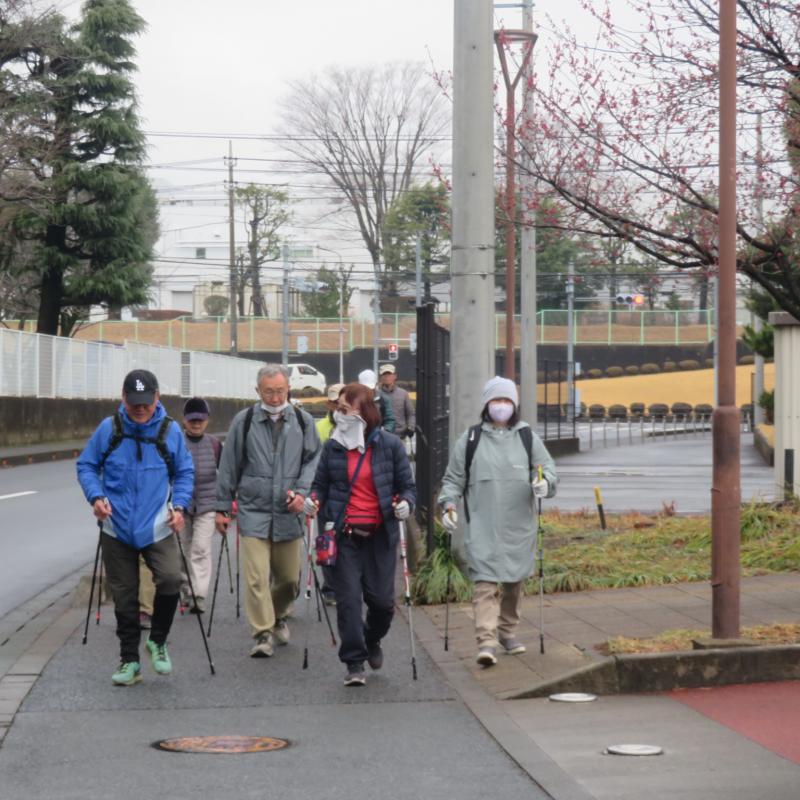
point(363, 485)
point(138, 476)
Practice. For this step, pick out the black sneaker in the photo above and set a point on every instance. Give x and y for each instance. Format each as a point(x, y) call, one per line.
point(355, 677)
point(375, 655)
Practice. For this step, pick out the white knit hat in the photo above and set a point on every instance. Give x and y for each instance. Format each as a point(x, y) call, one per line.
point(500, 388)
point(368, 378)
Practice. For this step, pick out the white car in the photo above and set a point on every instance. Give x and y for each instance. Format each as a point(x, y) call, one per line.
point(304, 376)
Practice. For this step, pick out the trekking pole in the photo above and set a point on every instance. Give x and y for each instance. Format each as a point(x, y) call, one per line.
point(99, 593)
point(447, 595)
point(194, 601)
point(308, 592)
point(237, 569)
point(318, 590)
point(216, 585)
point(228, 559)
point(540, 543)
point(404, 556)
point(94, 577)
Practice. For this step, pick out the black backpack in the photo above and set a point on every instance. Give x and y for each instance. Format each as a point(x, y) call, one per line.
point(159, 440)
point(474, 437)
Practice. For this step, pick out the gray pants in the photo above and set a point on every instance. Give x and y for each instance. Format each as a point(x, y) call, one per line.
point(121, 563)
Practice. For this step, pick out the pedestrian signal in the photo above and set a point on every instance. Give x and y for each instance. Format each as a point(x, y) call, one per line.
point(393, 352)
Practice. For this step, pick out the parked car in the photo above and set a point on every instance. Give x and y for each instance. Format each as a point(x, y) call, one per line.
point(304, 376)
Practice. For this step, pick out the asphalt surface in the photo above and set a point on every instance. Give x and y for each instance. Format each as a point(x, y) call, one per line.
point(78, 736)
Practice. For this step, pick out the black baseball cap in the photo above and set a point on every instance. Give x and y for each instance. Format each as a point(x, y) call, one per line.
point(140, 387)
point(196, 408)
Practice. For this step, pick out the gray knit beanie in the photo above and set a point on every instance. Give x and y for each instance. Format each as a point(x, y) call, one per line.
point(497, 388)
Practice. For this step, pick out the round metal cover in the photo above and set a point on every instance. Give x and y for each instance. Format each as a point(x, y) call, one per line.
point(573, 697)
point(221, 744)
point(634, 750)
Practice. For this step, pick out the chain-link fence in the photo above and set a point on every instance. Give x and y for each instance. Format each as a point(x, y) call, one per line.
point(36, 365)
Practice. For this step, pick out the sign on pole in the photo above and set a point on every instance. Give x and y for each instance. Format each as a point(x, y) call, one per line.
point(302, 345)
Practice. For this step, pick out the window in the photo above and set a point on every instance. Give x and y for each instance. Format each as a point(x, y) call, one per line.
point(304, 370)
point(199, 252)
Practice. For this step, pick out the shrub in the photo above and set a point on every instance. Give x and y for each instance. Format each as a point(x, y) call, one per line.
point(650, 369)
point(767, 401)
point(747, 359)
point(688, 364)
point(632, 370)
point(703, 410)
point(670, 366)
point(709, 362)
point(594, 373)
point(615, 372)
point(617, 411)
point(597, 411)
point(681, 409)
point(658, 410)
point(637, 409)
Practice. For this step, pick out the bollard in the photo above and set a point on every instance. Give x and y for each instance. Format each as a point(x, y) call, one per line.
point(598, 498)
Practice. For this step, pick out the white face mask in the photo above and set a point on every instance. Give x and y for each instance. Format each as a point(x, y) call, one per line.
point(349, 430)
point(274, 409)
point(501, 412)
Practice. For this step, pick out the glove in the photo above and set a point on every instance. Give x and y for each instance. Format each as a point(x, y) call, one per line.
point(450, 518)
point(540, 487)
point(310, 506)
point(402, 510)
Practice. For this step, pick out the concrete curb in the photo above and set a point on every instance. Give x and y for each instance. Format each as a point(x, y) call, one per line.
point(663, 672)
point(21, 459)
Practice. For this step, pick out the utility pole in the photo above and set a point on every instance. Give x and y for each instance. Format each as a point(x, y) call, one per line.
point(472, 349)
point(571, 339)
point(285, 337)
point(376, 328)
point(726, 480)
point(758, 382)
point(418, 261)
point(528, 332)
point(232, 254)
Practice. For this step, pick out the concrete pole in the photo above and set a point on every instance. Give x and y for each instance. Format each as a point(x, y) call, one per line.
point(232, 254)
point(570, 340)
point(726, 486)
point(759, 417)
point(527, 257)
point(285, 304)
point(376, 328)
point(472, 344)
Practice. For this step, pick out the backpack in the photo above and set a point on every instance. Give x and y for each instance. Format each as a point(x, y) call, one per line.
point(474, 437)
point(248, 421)
point(159, 440)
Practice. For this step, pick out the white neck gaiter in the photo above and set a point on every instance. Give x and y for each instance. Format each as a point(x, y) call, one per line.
point(349, 431)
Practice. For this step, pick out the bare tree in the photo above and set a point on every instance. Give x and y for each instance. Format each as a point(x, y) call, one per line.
point(366, 130)
point(625, 133)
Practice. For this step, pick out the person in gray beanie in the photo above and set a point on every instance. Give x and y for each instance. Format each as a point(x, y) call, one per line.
point(495, 468)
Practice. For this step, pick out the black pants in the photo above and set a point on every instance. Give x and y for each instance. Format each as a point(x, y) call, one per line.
point(364, 573)
point(121, 564)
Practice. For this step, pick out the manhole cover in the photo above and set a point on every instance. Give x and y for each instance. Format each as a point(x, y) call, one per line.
point(221, 744)
point(634, 750)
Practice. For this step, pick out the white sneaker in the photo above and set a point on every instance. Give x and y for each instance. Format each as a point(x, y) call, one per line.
point(280, 633)
point(512, 646)
point(486, 656)
point(263, 647)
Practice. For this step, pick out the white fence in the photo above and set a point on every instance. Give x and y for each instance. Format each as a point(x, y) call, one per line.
point(35, 365)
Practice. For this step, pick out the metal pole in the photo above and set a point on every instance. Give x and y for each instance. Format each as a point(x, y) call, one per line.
point(232, 253)
point(571, 339)
point(472, 261)
point(511, 228)
point(758, 384)
point(376, 328)
point(418, 260)
point(726, 488)
point(341, 329)
point(285, 336)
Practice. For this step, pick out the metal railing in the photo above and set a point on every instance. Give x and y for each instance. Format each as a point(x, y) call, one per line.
point(36, 365)
point(608, 327)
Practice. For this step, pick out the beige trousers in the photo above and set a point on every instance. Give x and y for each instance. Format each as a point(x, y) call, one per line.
point(197, 537)
point(496, 609)
point(271, 580)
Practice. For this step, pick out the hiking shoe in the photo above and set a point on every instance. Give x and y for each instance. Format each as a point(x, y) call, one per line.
point(199, 607)
point(280, 633)
point(159, 657)
point(375, 655)
point(329, 598)
point(263, 647)
point(128, 673)
point(145, 621)
point(355, 677)
point(512, 646)
point(487, 657)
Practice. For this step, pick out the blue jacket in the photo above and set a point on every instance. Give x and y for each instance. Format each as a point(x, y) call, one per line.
point(137, 485)
point(391, 474)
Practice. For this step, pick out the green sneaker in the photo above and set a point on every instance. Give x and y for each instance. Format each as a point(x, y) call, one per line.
point(159, 657)
point(128, 673)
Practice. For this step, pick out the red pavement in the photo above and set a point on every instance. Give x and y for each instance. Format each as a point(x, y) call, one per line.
point(766, 713)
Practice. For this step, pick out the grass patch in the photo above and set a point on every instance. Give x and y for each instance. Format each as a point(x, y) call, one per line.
point(679, 639)
point(635, 550)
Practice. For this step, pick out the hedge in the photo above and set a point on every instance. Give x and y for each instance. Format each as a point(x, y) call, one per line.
point(688, 364)
point(658, 410)
point(632, 370)
point(670, 366)
point(650, 369)
point(615, 372)
point(617, 411)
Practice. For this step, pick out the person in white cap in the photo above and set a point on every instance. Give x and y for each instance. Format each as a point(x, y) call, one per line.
point(368, 378)
point(494, 467)
point(400, 401)
point(326, 425)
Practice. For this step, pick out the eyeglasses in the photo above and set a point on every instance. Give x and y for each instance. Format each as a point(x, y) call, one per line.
point(273, 392)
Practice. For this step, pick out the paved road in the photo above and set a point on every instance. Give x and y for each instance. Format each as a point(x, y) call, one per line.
point(44, 535)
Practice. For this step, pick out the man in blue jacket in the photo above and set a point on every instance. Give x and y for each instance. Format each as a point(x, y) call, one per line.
point(138, 475)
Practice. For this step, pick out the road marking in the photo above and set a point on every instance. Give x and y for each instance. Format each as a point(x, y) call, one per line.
point(16, 494)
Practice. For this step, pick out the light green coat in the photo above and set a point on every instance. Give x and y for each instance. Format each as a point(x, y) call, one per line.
point(500, 537)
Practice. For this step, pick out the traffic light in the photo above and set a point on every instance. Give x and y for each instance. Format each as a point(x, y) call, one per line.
point(630, 299)
point(393, 352)
point(638, 299)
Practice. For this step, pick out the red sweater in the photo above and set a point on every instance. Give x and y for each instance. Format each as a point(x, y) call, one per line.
point(363, 507)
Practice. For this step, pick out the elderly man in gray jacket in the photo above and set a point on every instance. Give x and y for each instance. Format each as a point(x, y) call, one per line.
point(267, 465)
